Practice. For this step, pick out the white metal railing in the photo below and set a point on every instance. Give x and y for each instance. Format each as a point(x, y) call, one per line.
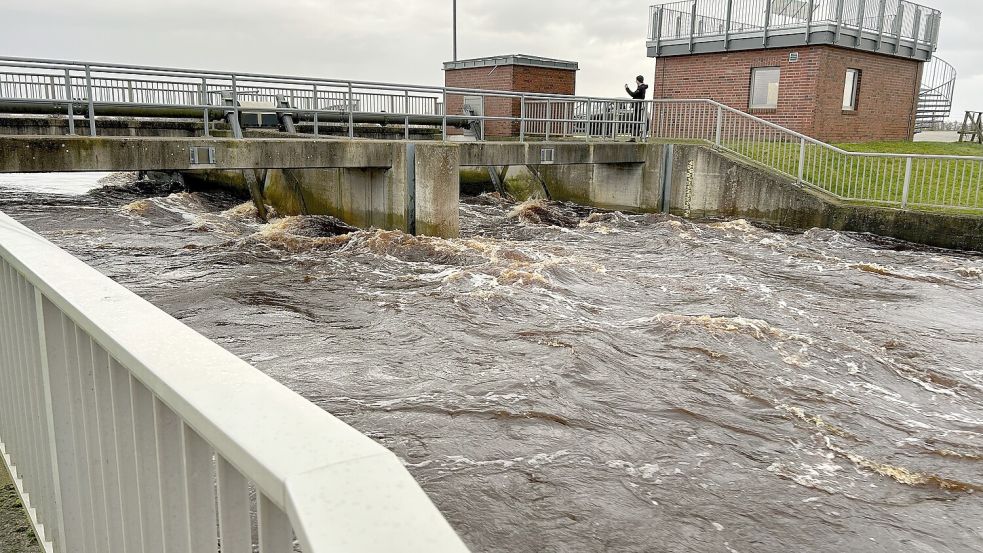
point(83, 89)
point(895, 20)
point(126, 431)
point(899, 180)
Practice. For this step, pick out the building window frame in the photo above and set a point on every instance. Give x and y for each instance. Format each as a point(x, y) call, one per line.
point(765, 87)
point(851, 90)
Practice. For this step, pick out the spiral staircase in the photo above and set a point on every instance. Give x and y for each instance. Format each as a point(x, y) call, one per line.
point(935, 94)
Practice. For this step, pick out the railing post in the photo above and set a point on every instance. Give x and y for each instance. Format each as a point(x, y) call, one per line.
point(692, 26)
point(810, 8)
point(351, 112)
point(720, 126)
point(549, 119)
point(443, 125)
point(315, 106)
point(767, 23)
point(236, 127)
point(590, 118)
point(907, 185)
point(898, 23)
point(730, 13)
point(71, 101)
point(406, 112)
point(56, 525)
point(918, 27)
point(802, 160)
point(861, 12)
point(657, 26)
point(839, 21)
point(92, 108)
point(881, 15)
point(522, 118)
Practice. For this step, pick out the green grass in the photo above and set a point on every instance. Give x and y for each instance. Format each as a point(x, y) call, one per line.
point(936, 184)
point(921, 148)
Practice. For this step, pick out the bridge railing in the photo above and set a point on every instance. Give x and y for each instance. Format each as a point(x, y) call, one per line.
point(896, 180)
point(83, 91)
point(127, 431)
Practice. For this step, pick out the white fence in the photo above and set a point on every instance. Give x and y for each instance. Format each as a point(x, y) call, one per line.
point(127, 431)
point(897, 180)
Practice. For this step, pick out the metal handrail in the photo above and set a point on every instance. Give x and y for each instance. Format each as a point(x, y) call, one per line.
point(118, 425)
point(893, 19)
point(915, 181)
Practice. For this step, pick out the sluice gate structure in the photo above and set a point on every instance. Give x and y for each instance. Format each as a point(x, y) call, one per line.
point(116, 421)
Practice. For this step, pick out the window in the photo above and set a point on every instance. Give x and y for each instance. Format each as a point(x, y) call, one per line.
point(764, 87)
point(851, 89)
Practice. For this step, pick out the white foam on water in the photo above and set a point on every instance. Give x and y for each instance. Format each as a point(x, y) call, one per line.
point(66, 184)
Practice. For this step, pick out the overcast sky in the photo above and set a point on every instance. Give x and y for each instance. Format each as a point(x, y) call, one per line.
point(401, 41)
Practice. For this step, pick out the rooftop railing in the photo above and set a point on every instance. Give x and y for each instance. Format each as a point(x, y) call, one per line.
point(879, 21)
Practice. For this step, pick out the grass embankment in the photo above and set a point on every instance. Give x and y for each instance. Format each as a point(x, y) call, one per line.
point(936, 184)
point(16, 534)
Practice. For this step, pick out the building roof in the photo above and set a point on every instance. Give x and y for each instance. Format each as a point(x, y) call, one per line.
point(513, 59)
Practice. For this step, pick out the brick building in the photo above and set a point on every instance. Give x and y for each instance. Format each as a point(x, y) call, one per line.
point(852, 74)
point(516, 73)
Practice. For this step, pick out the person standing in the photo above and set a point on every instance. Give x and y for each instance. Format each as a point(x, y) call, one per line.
point(638, 124)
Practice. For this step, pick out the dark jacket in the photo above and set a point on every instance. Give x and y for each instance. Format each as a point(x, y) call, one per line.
point(639, 93)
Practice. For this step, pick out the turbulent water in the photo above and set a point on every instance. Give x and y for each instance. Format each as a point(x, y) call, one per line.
point(566, 381)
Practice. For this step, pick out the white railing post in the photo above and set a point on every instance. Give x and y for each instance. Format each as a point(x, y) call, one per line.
point(55, 524)
point(522, 118)
point(406, 112)
point(351, 112)
point(720, 126)
point(71, 101)
point(907, 184)
point(92, 109)
point(443, 125)
point(802, 160)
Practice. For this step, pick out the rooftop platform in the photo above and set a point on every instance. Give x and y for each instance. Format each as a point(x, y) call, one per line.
point(892, 27)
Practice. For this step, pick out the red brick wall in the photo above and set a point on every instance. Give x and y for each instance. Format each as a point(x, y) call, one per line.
point(886, 103)
point(810, 90)
point(517, 78)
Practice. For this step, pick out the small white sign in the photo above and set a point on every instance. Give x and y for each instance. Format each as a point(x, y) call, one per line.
point(793, 57)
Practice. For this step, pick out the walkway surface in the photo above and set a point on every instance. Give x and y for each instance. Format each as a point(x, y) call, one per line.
point(16, 535)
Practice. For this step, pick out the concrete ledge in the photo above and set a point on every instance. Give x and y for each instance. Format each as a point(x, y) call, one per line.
point(565, 153)
point(45, 154)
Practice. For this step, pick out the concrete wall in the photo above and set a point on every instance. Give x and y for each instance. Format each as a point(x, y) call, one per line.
point(709, 184)
point(367, 197)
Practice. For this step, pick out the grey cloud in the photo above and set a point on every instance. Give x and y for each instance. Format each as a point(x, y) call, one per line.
point(383, 40)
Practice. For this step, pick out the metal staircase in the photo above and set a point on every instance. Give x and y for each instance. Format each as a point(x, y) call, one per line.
point(935, 95)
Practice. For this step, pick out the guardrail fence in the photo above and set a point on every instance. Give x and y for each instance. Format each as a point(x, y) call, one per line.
point(898, 180)
point(84, 91)
point(117, 423)
point(895, 20)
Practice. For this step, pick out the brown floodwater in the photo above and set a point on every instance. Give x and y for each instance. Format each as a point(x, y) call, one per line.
point(565, 380)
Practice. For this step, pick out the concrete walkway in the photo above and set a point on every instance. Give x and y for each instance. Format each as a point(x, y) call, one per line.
point(16, 535)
